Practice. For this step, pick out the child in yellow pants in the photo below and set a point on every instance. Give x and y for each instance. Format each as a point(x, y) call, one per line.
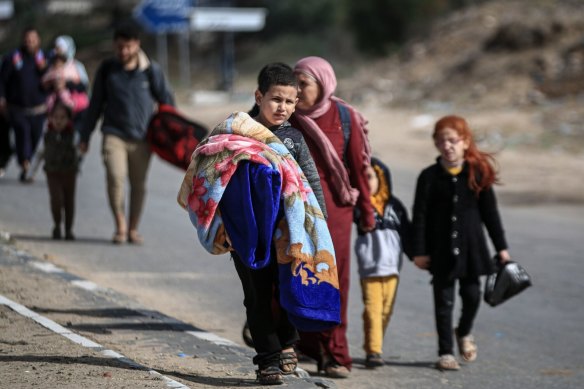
point(379, 256)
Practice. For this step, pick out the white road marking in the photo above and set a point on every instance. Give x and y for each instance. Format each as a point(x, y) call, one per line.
point(112, 354)
point(47, 267)
point(211, 337)
point(87, 285)
point(81, 340)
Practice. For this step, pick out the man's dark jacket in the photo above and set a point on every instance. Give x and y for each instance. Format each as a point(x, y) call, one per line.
point(126, 98)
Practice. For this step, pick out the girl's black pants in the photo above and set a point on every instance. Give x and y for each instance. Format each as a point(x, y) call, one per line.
point(470, 294)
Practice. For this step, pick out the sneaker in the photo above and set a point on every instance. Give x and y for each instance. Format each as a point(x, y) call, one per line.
point(334, 370)
point(373, 361)
point(447, 362)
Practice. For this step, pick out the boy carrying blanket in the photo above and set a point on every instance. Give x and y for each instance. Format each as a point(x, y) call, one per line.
point(246, 194)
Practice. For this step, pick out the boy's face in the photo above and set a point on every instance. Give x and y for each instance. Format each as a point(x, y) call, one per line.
point(59, 119)
point(276, 105)
point(372, 179)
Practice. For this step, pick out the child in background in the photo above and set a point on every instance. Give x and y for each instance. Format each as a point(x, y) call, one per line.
point(59, 151)
point(454, 199)
point(58, 79)
point(272, 334)
point(379, 256)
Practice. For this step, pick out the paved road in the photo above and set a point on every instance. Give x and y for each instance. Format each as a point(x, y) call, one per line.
point(532, 341)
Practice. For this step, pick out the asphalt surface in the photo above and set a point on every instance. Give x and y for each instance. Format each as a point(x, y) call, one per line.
point(532, 341)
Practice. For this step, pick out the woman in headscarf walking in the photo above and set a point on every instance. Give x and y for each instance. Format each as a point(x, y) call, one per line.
point(337, 138)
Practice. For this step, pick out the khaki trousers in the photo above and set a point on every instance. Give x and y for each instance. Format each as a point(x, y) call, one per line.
point(378, 297)
point(125, 159)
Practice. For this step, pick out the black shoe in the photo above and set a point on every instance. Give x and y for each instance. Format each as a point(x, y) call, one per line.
point(373, 361)
point(69, 236)
point(56, 233)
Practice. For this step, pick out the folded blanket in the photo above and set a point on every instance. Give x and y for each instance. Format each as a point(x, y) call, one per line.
point(309, 289)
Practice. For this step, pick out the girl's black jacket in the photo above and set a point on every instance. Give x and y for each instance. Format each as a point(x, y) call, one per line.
point(448, 221)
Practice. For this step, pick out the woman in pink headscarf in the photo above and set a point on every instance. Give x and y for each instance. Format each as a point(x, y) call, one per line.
point(341, 162)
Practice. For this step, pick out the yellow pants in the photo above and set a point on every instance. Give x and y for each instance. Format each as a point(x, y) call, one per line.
point(378, 298)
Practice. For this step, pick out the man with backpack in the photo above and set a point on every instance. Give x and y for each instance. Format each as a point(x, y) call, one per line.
point(22, 97)
point(125, 90)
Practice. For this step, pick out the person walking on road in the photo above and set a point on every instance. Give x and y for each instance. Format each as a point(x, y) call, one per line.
point(73, 76)
point(125, 90)
point(379, 257)
point(59, 152)
point(336, 137)
point(55, 81)
point(22, 97)
point(272, 334)
point(5, 146)
point(454, 199)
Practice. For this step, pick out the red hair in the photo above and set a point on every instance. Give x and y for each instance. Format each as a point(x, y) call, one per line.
point(482, 173)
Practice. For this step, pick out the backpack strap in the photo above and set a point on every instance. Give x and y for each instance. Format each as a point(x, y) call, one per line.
point(346, 125)
point(107, 68)
point(150, 75)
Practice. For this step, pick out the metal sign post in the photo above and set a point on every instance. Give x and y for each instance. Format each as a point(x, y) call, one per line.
point(162, 17)
point(228, 20)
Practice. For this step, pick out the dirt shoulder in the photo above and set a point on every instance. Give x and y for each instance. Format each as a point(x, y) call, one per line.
point(136, 347)
point(32, 355)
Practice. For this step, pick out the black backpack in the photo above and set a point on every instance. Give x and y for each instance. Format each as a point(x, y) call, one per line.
point(346, 125)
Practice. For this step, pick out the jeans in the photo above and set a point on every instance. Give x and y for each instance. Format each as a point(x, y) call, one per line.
point(28, 130)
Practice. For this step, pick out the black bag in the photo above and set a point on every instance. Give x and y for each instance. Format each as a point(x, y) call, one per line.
point(509, 280)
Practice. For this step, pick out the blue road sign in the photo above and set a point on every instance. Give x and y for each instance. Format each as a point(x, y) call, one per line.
point(160, 16)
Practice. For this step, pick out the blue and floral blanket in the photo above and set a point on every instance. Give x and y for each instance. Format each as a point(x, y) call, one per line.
point(264, 182)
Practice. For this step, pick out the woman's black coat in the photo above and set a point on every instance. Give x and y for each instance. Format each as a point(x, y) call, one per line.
point(448, 223)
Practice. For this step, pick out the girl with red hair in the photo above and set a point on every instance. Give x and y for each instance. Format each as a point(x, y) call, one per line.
point(454, 199)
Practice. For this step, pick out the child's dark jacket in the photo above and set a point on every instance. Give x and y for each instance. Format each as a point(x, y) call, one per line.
point(379, 252)
point(60, 151)
point(448, 224)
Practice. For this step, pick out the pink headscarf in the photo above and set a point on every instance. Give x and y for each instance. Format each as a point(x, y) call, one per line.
point(322, 71)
